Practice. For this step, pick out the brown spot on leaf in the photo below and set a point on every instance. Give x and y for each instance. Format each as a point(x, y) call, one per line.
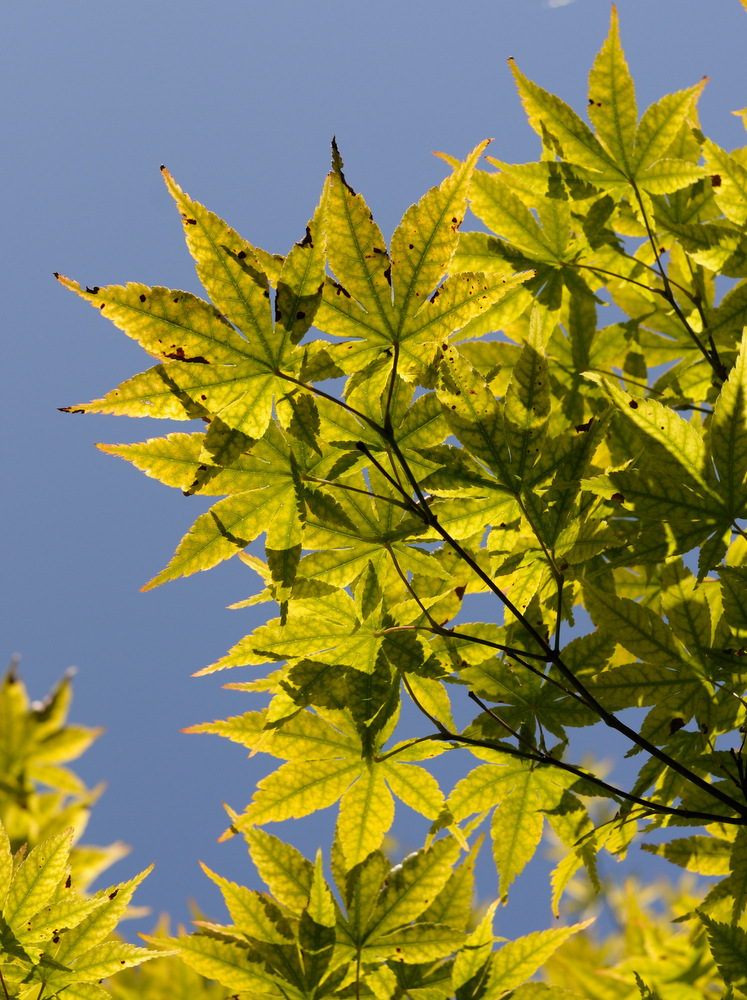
point(92, 291)
point(715, 180)
point(300, 315)
point(142, 298)
point(179, 355)
point(70, 409)
point(241, 254)
point(675, 724)
point(619, 497)
point(459, 591)
point(68, 882)
point(113, 894)
point(582, 428)
point(388, 275)
point(307, 241)
point(103, 305)
point(633, 405)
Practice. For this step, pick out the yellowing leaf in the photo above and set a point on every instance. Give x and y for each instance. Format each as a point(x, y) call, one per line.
point(321, 904)
point(476, 951)
point(660, 124)
point(728, 181)
point(612, 105)
point(667, 428)
point(729, 435)
point(579, 143)
point(385, 303)
point(228, 962)
point(412, 886)
point(729, 948)
point(520, 959)
point(634, 626)
point(297, 789)
point(288, 875)
point(516, 830)
point(36, 879)
point(366, 813)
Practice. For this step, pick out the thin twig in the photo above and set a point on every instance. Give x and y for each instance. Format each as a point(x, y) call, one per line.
point(367, 452)
point(409, 587)
point(439, 726)
point(332, 399)
point(356, 489)
point(494, 715)
point(551, 761)
point(405, 746)
point(713, 359)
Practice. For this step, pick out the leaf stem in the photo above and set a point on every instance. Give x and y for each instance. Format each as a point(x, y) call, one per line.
point(410, 588)
point(357, 489)
point(494, 715)
point(712, 358)
point(406, 746)
point(439, 726)
point(332, 399)
point(550, 761)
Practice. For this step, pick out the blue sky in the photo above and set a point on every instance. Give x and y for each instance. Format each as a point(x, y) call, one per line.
point(240, 99)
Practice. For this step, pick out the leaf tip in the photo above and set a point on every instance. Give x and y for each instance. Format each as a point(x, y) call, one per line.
point(67, 282)
point(336, 158)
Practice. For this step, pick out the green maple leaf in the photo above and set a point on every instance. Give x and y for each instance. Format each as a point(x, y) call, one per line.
point(521, 794)
point(265, 490)
point(328, 761)
point(695, 484)
point(49, 935)
point(624, 153)
point(224, 359)
point(397, 304)
point(729, 948)
point(385, 908)
point(39, 793)
point(325, 627)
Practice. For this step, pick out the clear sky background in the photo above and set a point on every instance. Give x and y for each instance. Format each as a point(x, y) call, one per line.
point(240, 99)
